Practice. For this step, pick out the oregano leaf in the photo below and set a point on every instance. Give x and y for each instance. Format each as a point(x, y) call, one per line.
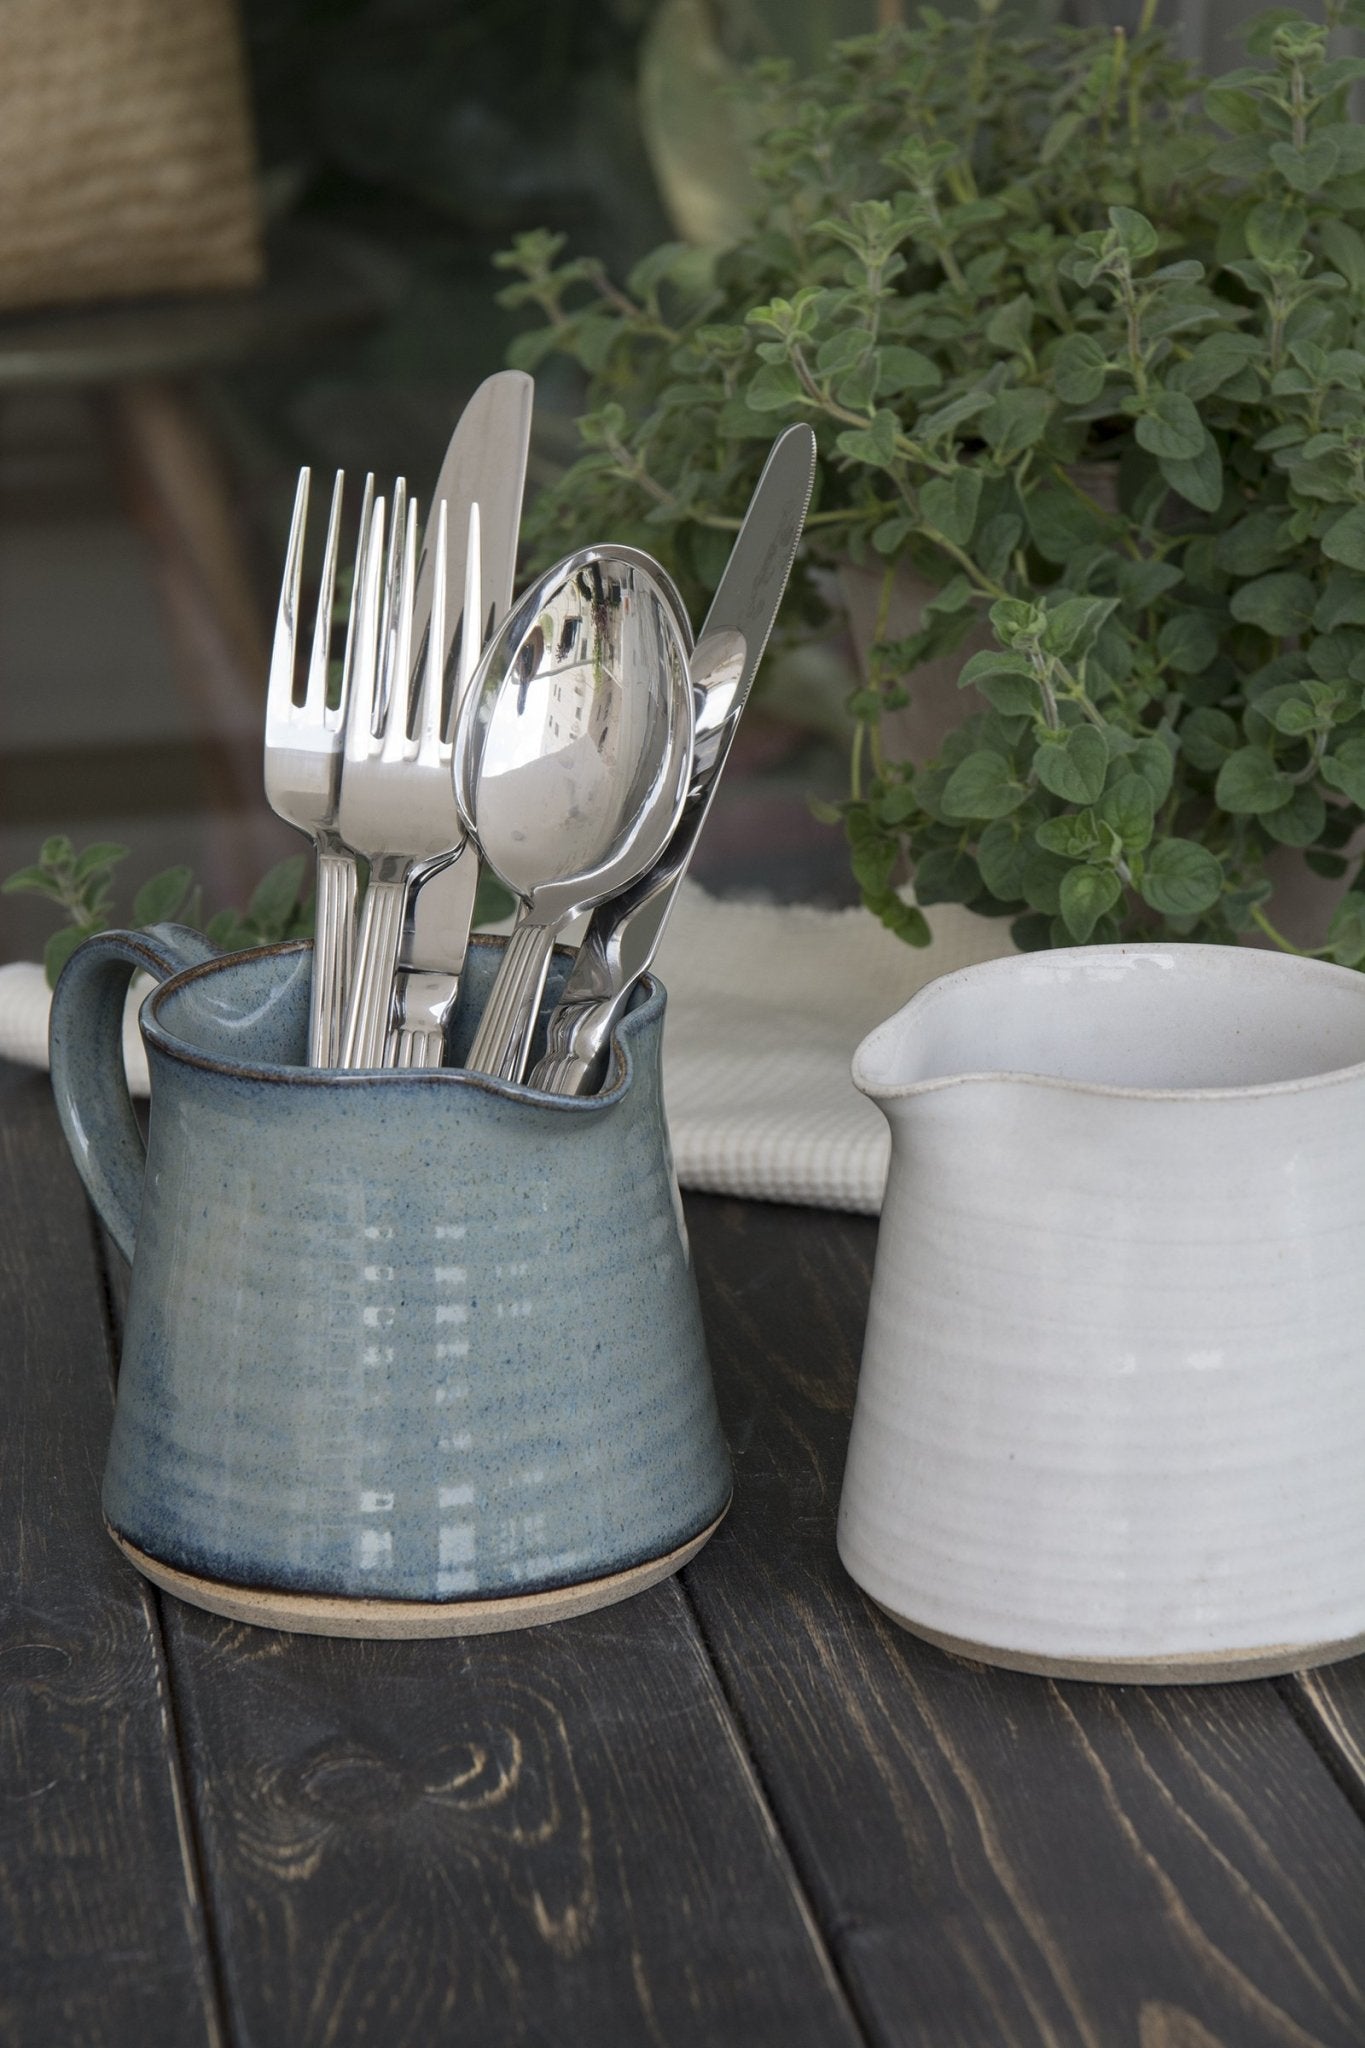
point(982, 786)
point(1170, 426)
point(1198, 478)
point(1346, 932)
point(1344, 540)
point(1249, 783)
point(162, 897)
point(1280, 604)
point(58, 951)
point(949, 504)
point(1344, 769)
point(874, 444)
point(1078, 369)
point(1075, 769)
point(1180, 878)
point(1086, 893)
point(1128, 808)
point(774, 387)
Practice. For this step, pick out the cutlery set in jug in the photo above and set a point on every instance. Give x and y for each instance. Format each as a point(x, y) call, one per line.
point(571, 743)
point(409, 1351)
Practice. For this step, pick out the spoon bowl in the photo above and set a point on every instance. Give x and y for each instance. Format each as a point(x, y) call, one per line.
point(572, 761)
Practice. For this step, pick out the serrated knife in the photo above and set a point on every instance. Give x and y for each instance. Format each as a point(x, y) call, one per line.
point(623, 936)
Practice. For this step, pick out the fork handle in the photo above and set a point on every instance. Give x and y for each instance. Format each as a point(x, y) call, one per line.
point(380, 936)
point(333, 953)
point(503, 1039)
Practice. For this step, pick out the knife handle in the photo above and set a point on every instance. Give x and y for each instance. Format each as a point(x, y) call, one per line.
point(429, 997)
point(431, 963)
point(575, 1057)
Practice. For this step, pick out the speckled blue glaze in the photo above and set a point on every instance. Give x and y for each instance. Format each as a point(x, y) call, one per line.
point(418, 1336)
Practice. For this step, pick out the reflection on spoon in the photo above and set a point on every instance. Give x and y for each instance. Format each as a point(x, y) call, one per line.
point(572, 763)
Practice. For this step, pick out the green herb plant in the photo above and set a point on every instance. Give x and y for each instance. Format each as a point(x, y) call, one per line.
point(81, 886)
point(1083, 339)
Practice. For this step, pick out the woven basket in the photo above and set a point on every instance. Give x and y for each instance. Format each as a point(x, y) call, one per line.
point(125, 151)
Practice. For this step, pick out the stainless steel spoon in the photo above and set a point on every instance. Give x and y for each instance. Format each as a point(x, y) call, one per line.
point(622, 935)
point(572, 763)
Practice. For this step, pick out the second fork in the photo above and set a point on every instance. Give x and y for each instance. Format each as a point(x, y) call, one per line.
point(396, 806)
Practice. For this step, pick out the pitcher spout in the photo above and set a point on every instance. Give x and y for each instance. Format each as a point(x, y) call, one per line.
point(1144, 1020)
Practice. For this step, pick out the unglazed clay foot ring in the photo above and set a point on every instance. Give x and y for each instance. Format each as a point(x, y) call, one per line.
point(1213, 1667)
point(320, 1614)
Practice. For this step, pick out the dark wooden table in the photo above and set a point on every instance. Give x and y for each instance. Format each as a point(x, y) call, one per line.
point(741, 1809)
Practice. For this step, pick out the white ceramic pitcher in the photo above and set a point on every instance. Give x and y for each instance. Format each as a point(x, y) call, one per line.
point(1111, 1416)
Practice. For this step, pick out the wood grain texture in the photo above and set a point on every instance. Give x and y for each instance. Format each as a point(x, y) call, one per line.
point(997, 1859)
point(547, 1837)
point(1331, 1705)
point(101, 1936)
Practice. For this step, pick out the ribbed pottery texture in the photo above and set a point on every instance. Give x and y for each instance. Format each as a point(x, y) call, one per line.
point(416, 1336)
point(125, 150)
point(1112, 1401)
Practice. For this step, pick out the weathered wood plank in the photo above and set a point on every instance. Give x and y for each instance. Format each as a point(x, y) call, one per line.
point(100, 1923)
point(1332, 1703)
point(996, 1858)
point(555, 1836)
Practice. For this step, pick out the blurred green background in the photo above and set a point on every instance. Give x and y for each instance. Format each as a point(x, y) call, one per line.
point(408, 141)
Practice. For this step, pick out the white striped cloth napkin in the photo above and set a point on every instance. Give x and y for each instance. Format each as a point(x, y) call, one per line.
point(766, 1005)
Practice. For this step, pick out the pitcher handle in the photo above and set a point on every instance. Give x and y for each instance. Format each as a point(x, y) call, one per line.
point(85, 1047)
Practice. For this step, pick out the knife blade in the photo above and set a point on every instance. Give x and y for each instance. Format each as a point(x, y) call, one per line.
point(623, 936)
point(485, 462)
point(484, 466)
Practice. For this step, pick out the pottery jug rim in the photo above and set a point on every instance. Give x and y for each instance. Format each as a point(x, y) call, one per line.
point(1054, 965)
point(159, 1037)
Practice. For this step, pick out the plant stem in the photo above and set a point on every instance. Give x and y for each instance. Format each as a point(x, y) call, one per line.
point(1259, 918)
point(1299, 114)
point(635, 472)
point(627, 307)
point(946, 257)
point(984, 583)
point(1132, 315)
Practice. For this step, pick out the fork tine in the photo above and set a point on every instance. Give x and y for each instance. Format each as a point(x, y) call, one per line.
point(397, 704)
point(428, 719)
point(315, 697)
point(388, 613)
point(365, 616)
point(280, 687)
point(362, 550)
point(471, 630)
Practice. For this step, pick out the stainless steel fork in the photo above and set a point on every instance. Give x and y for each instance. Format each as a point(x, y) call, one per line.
point(396, 805)
point(303, 741)
point(441, 904)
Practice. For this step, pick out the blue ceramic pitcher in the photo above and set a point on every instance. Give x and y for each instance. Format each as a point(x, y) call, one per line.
point(405, 1353)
